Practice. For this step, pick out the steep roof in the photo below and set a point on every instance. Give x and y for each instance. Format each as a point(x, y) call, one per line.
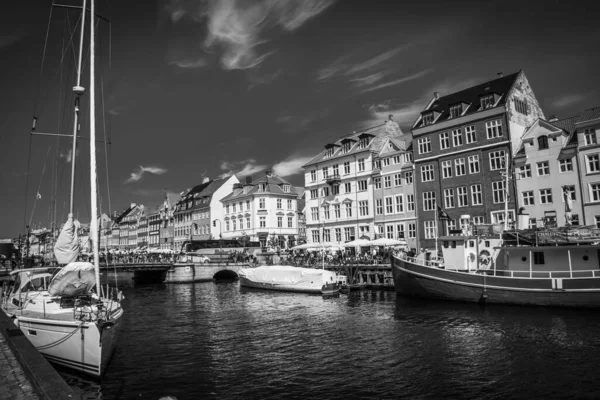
point(274, 186)
point(379, 132)
point(568, 125)
point(205, 189)
point(590, 114)
point(471, 97)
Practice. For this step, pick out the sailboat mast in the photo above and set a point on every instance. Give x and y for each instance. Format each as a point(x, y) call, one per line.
point(94, 194)
point(79, 90)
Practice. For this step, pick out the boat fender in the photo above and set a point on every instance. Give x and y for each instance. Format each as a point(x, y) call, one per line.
point(471, 257)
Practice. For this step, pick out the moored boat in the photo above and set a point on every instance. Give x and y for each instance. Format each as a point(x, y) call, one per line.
point(492, 269)
point(287, 278)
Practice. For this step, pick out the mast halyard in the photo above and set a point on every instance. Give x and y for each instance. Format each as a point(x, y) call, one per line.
point(94, 195)
point(78, 90)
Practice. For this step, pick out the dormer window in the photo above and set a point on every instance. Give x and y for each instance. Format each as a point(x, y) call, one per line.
point(329, 152)
point(487, 101)
point(286, 188)
point(428, 119)
point(456, 110)
point(364, 142)
point(262, 187)
point(347, 145)
point(542, 142)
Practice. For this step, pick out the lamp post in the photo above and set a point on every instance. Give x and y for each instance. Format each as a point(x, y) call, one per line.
point(220, 238)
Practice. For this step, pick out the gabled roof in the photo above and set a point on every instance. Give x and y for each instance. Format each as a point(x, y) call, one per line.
point(380, 132)
point(471, 96)
point(274, 186)
point(590, 114)
point(206, 189)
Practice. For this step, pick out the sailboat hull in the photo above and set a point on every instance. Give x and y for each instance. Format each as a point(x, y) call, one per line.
point(85, 347)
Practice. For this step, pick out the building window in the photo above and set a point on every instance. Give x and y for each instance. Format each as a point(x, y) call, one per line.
point(476, 196)
point(543, 168)
point(595, 191)
point(314, 211)
point(347, 167)
point(496, 160)
point(361, 164)
point(326, 235)
point(597, 220)
point(349, 234)
point(389, 231)
point(525, 171)
point(378, 206)
point(387, 181)
point(325, 191)
point(314, 193)
point(408, 178)
point(521, 106)
point(315, 236)
point(348, 208)
point(498, 191)
point(325, 172)
point(386, 162)
point(478, 220)
point(427, 173)
point(289, 204)
point(459, 165)
point(400, 231)
point(279, 222)
point(532, 223)
point(326, 214)
point(399, 203)
point(348, 187)
point(338, 235)
point(412, 230)
point(474, 164)
point(444, 140)
point(470, 134)
point(429, 229)
point(389, 206)
point(410, 202)
point(336, 211)
point(396, 159)
point(456, 111)
point(336, 170)
point(446, 169)
point(527, 198)
point(428, 201)
point(449, 198)
point(279, 204)
point(408, 157)
point(363, 208)
point(362, 185)
point(463, 196)
point(398, 180)
point(565, 165)
point(589, 136)
point(493, 129)
point(335, 189)
point(456, 138)
point(545, 196)
point(571, 190)
point(377, 183)
point(424, 145)
point(542, 142)
point(247, 224)
point(498, 216)
point(428, 119)
point(263, 222)
point(487, 101)
point(592, 163)
point(261, 203)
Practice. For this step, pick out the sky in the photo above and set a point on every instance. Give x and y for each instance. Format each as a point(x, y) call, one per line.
point(204, 88)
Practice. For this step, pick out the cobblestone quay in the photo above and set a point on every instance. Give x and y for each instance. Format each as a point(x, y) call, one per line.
point(24, 372)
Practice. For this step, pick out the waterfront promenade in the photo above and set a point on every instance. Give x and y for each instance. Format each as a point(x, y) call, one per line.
point(25, 373)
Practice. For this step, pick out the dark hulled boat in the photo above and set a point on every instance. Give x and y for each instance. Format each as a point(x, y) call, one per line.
point(555, 273)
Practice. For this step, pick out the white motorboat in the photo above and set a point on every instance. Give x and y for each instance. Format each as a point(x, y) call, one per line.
point(287, 278)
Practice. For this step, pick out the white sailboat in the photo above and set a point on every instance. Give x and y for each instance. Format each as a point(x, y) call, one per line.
point(66, 313)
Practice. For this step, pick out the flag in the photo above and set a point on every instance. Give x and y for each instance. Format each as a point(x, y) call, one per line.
point(443, 215)
point(38, 196)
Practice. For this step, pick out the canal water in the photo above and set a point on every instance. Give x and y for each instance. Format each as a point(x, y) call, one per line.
point(220, 341)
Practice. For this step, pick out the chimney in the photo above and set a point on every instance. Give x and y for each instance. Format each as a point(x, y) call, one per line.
point(132, 205)
point(269, 172)
point(500, 75)
point(436, 95)
point(552, 118)
point(206, 179)
point(248, 180)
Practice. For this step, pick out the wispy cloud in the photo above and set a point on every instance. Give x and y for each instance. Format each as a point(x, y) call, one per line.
point(398, 81)
point(240, 168)
point(137, 174)
point(237, 27)
point(189, 63)
point(567, 100)
point(291, 166)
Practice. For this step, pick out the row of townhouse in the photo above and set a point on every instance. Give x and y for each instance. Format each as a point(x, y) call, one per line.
point(479, 154)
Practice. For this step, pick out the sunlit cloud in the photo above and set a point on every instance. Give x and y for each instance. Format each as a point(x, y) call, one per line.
point(137, 174)
point(291, 166)
point(238, 27)
point(240, 168)
point(398, 81)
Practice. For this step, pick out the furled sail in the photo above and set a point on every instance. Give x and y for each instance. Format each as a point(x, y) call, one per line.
point(67, 248)
point(73, 280)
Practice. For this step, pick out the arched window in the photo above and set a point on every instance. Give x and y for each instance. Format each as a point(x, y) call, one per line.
point(542, 142)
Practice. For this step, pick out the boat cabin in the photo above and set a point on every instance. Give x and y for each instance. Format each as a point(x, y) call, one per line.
point(470, 253)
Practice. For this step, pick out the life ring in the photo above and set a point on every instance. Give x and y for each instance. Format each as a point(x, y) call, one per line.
point(484, 259)
point(471, 258)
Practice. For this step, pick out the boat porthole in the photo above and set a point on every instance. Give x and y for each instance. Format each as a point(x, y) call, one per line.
point(585, 258)
point(188, 269)
point(523, 259)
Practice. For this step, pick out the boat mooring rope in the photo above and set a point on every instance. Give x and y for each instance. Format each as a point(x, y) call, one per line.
point(59, 341)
